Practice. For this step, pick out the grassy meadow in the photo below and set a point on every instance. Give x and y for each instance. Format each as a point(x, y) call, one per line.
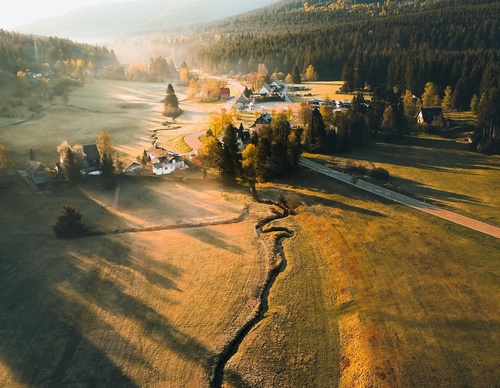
point(440, 171)
point(370, 293)
point(150, 302)
point(130, 112)
point(374, 294)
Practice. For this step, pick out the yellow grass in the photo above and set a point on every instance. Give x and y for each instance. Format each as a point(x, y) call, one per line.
point(441, 171)
point(324, 89)
point(145, 308)
point(374, 294)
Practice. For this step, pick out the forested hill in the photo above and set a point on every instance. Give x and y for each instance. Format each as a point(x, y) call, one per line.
point(34, 69)
point(293, 14)
point(403, 44)
point(19, 52)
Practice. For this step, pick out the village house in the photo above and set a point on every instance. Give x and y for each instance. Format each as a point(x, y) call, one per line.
point(36, 172)
point(241, 102)
point(224, 93)
point(275, 90)
point(130, 165)
point(92, 160)
point(163, 161)
point(243, 138)
point(431, 116)
point(263, 119)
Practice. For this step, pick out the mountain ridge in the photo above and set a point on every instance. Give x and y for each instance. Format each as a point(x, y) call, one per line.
point(123, 20)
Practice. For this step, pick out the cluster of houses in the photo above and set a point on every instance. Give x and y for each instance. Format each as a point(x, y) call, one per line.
point(268, 92)
point(160, 160)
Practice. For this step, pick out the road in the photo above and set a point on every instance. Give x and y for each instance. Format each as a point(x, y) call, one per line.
point(404, 200)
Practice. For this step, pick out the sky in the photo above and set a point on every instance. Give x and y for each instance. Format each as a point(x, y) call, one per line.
point(17, 13)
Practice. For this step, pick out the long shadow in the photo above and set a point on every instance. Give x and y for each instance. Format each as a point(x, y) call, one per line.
point(212, 237)
point(425, 153)
point(52, 293)
point(408, 187)
point(417, 190)
point(317, 187)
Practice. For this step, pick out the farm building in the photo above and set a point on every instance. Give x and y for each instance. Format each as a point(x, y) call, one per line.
point(131, 165)
point(36, 172)
point(431, 116)
point(92, 159)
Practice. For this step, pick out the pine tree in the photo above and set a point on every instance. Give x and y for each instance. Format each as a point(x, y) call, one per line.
point(430, 96)
point(230, 165)
point(171, 99)
point(72, 167)
point(106, 150)
point(69, 223)
point(296, 75)
point(448, 103)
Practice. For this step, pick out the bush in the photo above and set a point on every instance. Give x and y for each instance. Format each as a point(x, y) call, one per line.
point(69, 223)
point(379, 173)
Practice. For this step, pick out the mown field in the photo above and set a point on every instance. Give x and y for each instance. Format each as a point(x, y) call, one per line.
point(371, 293)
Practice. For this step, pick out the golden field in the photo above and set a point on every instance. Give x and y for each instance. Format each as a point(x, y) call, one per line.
point(370, 293)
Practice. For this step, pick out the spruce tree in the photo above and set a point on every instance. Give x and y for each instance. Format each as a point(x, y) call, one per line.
point(230, 160)
point(296, 75)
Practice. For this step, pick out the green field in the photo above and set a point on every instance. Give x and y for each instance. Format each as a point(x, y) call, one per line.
point(440, 171)
point(371, 293)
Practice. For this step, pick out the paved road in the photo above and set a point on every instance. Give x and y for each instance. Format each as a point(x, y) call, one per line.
point(403, 199)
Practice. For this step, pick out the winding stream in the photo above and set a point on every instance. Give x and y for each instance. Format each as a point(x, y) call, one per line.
point(232, 347)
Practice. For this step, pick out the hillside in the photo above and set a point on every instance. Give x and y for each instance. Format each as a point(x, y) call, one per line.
point(131, 18)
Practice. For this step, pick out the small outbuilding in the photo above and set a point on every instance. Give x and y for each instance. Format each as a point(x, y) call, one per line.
point(36, 172)
point(131, 165)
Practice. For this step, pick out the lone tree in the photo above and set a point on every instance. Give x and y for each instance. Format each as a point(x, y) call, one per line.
point(171, 103)
point(69, 223)
point(296, 79)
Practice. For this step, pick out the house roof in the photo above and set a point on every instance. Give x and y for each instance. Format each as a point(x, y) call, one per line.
point(35, 166)
point(429, 114)
point(129, 163)
point(35, 171)
point(91, 151)
point(265, 118)
point(157, 153)
point(266, 88)
point(242, 98)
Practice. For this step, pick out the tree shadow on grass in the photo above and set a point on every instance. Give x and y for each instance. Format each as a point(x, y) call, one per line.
point(427, 153)
point(417, 190)
point(213, 237)
point(317, 189)
point(57, 298)
point(308, 179)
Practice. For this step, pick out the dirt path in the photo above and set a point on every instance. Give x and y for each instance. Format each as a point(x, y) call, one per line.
point(193, 141)
point(405, 200)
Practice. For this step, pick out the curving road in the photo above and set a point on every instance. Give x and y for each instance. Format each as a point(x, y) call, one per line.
point(403, 199)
